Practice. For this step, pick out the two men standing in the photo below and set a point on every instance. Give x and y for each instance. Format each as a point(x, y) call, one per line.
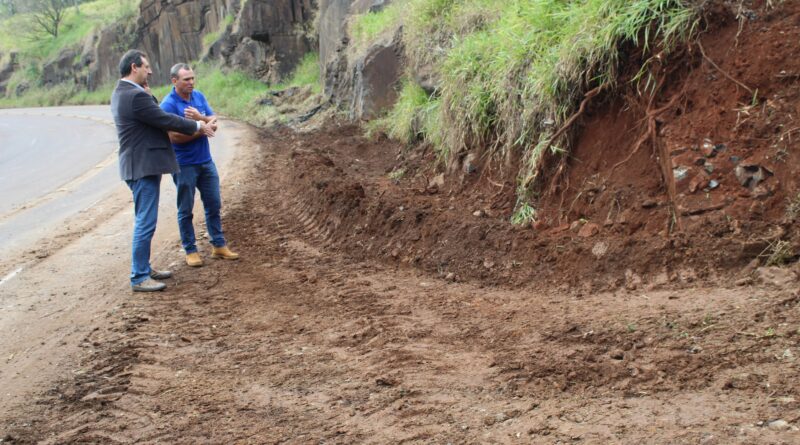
point(145, 153)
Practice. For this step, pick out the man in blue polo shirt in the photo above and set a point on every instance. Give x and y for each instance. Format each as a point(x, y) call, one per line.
point(197, 168)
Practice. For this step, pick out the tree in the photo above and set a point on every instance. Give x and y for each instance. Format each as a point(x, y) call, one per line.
point(8, 7)
point(48, 14)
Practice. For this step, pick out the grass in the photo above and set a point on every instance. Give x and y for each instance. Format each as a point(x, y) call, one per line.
point(397, 174)
point(404, 121)
point(524, 214)
point(236, 95)
point(62, 94)
point(18, 34)
point(212, 37)
point(778, 253)
point(365, 28)
point(306, 74)
point(511, 72)
point(793, 208)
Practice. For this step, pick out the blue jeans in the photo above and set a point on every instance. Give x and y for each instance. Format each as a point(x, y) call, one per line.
point(145, 207)
point(203, 177)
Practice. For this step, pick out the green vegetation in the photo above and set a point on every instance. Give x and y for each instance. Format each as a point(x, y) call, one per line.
point(402, 122)
point(525, 214)
point(778, 253)
point(397, 174)
point(34, 49)
point(17, 33)
point(364, 28)
point(232, 93)
point(212, 37)
point(512, 72)
point(62, 94)
point(236, 95)
point(305, 75)
point(793, 208)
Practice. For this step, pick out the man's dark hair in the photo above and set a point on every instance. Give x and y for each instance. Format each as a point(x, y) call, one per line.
point(133, 56)
point(173, 72)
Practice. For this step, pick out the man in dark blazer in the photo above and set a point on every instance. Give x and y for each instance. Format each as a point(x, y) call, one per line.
point(145, 153)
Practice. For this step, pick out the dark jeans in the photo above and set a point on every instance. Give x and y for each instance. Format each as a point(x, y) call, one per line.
point(203, 177)
point(145, 207)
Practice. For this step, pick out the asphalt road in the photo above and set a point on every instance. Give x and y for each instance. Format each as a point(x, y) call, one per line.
point(66, 222)
point(56, 163)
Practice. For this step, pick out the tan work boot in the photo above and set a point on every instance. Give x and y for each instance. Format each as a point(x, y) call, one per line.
point(193, 259)
point(224, 253)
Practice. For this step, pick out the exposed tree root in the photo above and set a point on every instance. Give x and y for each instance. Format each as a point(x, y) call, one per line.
point(724, 73)
point(659, 150)
point(586, 98)
point(562, 164)
point(650, 116)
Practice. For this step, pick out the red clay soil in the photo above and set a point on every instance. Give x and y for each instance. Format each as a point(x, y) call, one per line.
point(367, 309)
point(710, 193)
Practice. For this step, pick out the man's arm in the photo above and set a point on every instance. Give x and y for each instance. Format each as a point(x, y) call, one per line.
point(193, 113)
point(178, 138)
point(148, 112)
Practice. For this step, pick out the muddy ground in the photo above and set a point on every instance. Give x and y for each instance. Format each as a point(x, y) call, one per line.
point(379, 302)
point(306, 341)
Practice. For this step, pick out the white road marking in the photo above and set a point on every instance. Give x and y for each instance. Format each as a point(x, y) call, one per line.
point(10, 276)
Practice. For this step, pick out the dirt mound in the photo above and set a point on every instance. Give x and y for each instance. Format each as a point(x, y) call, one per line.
point(709, 190)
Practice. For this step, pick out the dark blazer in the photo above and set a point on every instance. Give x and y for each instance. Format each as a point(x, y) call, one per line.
point(144, 147)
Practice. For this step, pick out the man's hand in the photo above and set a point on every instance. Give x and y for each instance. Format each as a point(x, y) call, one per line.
point(207, 129)
point(192, 113)
point(213, 123)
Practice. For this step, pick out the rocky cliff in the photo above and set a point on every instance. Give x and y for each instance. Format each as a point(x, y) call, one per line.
point(364, 83)
point(172, 31)
point(266, 38)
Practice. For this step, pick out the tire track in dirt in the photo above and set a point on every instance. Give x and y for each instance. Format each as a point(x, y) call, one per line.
point(299, 342)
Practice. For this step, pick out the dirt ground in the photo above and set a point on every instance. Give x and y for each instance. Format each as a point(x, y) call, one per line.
point(311, 338)
point(371, 307)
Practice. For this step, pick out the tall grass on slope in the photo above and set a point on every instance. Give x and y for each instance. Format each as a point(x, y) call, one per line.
point(513, 71)
point(62, 94)
point(306, 74)
point(365, 28)
point(18, 34)
point(405, 122)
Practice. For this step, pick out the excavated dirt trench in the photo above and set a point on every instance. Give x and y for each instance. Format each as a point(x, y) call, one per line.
point(374, 310)
point(302, 341)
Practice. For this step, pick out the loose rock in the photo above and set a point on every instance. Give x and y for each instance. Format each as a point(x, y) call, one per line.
point(778, 425)
point(589, 230)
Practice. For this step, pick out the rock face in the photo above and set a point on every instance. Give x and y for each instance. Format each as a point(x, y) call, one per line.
point(364, 84)
point(376, 77)
point(59, 69)
point(172, 31)
point(266, 38)
point(101, 53)
point(6, 70)
point(270, 37)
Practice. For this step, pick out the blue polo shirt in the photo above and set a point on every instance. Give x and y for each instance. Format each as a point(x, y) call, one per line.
point(198, 150)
